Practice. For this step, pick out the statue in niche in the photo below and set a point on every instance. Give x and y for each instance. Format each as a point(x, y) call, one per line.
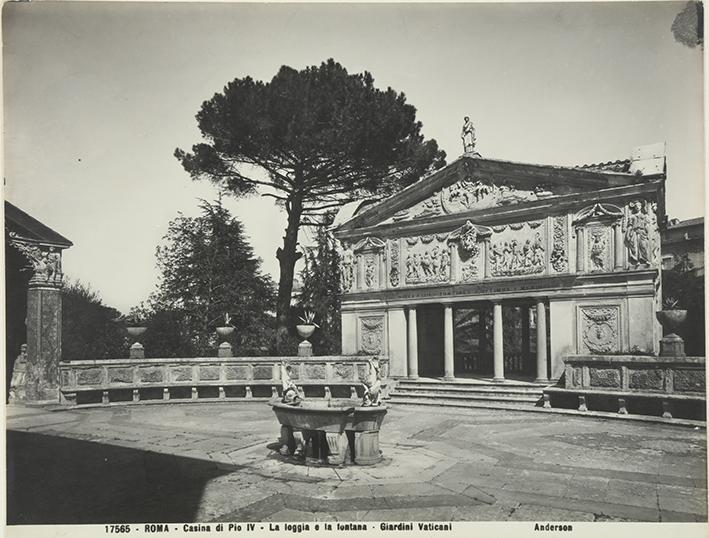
point(347, 276)
point(598, 250)
point(372, 385)
point(468, 136)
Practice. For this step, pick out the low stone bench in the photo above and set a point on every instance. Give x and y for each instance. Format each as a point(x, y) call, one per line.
point(217, 379)
point(623, 400)
point(632, 384)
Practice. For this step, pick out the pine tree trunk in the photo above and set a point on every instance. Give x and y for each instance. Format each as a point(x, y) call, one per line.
point(287, 256)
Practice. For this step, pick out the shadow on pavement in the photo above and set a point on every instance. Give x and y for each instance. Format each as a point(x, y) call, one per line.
point(67, 481)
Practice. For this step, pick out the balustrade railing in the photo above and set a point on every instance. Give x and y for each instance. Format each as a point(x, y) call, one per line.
point(129, 380)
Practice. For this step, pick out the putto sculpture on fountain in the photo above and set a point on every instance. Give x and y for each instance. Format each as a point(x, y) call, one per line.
point(291, 395)
point(372, 385)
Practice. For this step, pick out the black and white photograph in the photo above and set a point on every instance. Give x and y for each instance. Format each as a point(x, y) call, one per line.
point(385, 268)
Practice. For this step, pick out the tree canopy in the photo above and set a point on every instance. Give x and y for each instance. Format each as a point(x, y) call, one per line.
point(208, 270)
point(311, 139)
point(89, 328)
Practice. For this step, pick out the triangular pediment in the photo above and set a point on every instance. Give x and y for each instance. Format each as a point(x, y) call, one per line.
point(472, 184)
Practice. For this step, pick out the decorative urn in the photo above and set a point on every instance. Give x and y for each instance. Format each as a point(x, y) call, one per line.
point(135, 332)
point(305, 331)
point(671, 318)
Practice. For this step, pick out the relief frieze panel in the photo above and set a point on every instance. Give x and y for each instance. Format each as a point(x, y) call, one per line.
point(518, 249)
point(641, 233)
point(600, 329)
point(560, 241)
point(469, 194)
point(394, 271)
point(371, 332)
point(427, 259)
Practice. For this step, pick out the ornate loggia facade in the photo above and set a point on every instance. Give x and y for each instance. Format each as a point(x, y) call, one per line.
point(499, 269)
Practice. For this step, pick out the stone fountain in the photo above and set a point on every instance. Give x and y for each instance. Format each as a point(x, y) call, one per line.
point(331, 431)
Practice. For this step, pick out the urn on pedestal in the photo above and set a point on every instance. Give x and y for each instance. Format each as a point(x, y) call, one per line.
point(671, 318)
point(305, 331)
point(224, 332)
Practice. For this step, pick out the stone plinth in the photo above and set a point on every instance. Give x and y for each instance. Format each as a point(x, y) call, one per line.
point(136, 351)
point(44, 342)
point(305, 349)
point(672, 345)
point(224, 350)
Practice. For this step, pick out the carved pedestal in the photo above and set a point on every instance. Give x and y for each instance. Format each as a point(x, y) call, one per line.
point(287, 440)
point(305, 349)
point(224, 350)
point(367, 448)
point(672, 345)
point(136, 351)
point(337, 447)
point(44, 342)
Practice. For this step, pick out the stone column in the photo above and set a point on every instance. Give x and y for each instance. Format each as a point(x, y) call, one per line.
point(44, 341)
point(498, 352)
point(618, 244)
point(542, 375)
point(413, 354)
point(448, 362)
point(580, 266)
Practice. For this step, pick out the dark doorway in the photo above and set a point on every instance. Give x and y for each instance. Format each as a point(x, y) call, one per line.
point(473, 341)
point(519, 337)
point(429, 324)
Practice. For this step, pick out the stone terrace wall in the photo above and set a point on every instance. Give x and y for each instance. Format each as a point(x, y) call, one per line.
point(130, 380)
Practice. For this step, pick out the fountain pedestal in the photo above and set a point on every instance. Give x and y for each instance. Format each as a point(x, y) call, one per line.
point(331, 432)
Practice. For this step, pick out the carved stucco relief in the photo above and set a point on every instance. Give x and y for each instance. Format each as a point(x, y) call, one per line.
point(394, 276)
point(518, 249)
point(44, 262)
point(641, 233)
point(600, 331)
point(427, 259)
point(598, 248)
point(371, 332)
point(559, 254)
point(347, 268)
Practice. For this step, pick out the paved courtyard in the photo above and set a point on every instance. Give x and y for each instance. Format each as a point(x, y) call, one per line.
point(215, 462)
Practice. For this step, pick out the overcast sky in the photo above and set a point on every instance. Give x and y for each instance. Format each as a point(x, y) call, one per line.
point(98, 96)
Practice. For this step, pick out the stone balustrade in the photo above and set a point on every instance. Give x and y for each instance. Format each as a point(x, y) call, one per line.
point(670, 386)
point(225, 378)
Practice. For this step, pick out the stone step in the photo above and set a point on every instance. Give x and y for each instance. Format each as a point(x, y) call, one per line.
point(534, 389)
point(438, 397)
point(469, 393)
point(471, 383)
point(486, 404)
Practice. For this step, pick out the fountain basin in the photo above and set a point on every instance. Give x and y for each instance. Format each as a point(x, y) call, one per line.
point(330, 431)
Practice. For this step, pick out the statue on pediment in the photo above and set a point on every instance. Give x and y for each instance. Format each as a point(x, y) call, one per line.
point(468, 136)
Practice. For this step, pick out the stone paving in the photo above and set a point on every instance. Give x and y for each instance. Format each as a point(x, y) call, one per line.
point(216, 462)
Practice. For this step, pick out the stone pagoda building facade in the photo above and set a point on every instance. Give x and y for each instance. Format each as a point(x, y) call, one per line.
point(499, 269)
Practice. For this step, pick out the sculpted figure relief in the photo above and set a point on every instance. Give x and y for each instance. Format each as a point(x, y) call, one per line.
point(598, 250)
point(372, 385)
point(516, 257)
point(369, 272)
point(348, 268)
point(433, 265)
point(640, 226)
point(46, 265)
